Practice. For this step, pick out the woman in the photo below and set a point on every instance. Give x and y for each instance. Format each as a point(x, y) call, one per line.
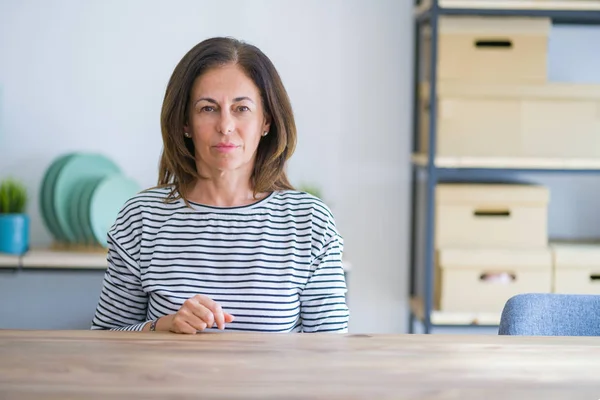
point(224, 241)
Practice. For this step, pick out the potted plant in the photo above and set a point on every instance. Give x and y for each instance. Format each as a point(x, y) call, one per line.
point(14, 223)
point(311, 189)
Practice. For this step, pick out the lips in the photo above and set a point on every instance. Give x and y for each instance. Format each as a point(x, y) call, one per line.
point(226, 147)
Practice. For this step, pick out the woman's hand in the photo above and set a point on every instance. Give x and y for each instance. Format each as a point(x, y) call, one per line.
point(196, 314)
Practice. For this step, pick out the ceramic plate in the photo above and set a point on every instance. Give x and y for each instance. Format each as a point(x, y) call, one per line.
point(107, 200)
point(46, 195)
point(84, 210)
point(74, 221)
point(77, 170)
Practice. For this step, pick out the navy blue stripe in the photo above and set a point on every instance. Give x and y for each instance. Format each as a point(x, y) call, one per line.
point(207, 239)
point(183, 275)
point(322, 324)
point(196, 235)
point(213, 246)
point(164, 286)
point(244, 268)
point(229, 253)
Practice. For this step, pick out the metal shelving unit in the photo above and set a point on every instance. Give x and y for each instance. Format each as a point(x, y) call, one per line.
point(428, 171)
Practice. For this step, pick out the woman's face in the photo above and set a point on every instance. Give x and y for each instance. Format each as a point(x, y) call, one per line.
point(226, 120)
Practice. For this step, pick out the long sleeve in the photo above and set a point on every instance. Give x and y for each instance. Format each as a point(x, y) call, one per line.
point(323, 300)
point(123, 302)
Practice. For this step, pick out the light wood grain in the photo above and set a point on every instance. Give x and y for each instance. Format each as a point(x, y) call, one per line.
point(94, 365)
point(9, 261)
point(42, 258)
point(508, 162)
point(563, 5)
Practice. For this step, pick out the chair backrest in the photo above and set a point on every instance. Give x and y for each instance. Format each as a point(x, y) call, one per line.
point(551, 315)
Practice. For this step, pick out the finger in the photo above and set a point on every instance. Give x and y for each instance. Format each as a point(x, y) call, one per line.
point(215, 309)
point(179, 325)
point(228, 317)
point(204, 314)
point(219, 316)
point(195, 321)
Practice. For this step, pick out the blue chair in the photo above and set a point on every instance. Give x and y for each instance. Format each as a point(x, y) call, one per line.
point(551, 315)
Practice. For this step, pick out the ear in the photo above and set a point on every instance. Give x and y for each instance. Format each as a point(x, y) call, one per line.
point(186, 122)
point(267, 124)
point(186, 132)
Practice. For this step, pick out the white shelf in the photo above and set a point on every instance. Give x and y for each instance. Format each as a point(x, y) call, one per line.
point(454, 318)
point(57, 259)
point(509, 162)
point(51, 259)
point(547, 5)
point(9, 261)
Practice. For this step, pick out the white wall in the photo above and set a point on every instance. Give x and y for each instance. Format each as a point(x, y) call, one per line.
point(90, 75)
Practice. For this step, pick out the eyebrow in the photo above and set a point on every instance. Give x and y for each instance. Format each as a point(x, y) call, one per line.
point(236, 100)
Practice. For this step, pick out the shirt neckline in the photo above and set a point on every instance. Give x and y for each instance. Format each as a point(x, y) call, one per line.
point(217, 209)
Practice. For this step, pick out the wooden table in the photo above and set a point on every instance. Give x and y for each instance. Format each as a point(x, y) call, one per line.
point(103, 365)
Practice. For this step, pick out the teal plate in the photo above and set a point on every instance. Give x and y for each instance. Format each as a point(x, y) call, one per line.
point(108, 199)
point(42, 194)
point(84, 210)
point(75, 172)
point(74, 220)
point(46, 195)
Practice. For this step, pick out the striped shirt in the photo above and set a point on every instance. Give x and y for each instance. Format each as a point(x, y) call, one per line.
point(276, 265)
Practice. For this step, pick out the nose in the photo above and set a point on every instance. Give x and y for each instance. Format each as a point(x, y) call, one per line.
point(226, 123)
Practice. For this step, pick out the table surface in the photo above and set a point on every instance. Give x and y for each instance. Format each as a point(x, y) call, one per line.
point(103, 365)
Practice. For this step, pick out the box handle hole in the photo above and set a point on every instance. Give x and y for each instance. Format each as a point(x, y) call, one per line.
point(493, 44)
point(498, 277)
point(492, 213)
point(595, 277)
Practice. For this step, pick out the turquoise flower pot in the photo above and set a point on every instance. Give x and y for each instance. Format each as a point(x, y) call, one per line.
point(14, 233)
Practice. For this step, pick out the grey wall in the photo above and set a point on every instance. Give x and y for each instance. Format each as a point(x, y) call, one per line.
point(41, 299)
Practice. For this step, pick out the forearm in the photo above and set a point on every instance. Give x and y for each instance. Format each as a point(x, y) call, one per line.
point(100, 325)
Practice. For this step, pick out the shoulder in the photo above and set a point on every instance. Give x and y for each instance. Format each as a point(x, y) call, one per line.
point(301, 205)
point(148, 202)
point(297, 201)
point(151, 198)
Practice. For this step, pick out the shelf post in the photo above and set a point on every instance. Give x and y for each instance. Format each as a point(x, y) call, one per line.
point(414, 239)
point(431, 171)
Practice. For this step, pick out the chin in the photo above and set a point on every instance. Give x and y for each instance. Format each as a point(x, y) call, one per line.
point(225, 167)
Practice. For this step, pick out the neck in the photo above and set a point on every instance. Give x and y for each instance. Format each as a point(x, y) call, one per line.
point(224, 189)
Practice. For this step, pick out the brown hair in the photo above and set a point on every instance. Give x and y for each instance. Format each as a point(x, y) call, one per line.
point(177, 164)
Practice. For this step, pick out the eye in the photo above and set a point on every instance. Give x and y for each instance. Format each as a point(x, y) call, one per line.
point(208, 108)
point(243, 108)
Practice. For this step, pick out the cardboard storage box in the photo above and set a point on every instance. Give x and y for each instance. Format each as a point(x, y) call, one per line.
point(491, 215)
point(490, 49)
point(482, 280)
point(576, 268)
point(554, 120)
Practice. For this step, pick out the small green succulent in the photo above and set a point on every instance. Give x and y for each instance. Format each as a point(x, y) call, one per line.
point(13, 197)
point(311, 189)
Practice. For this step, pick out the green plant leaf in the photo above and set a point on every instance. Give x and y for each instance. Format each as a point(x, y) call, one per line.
point(13, 197)
point(311, 189)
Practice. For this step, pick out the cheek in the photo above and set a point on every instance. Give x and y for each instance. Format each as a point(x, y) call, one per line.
point(251, 140)
point(202, 124)
point(203, 131)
